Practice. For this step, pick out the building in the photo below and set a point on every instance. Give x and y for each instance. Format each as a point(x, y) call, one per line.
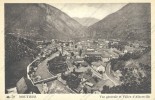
point(12, 91)
point(89, 84)
point(21, 86)
point(78, 60)
point(24, 85)
point(40, 42)
point(100, 84)
point(93, 54)
point(101, 69)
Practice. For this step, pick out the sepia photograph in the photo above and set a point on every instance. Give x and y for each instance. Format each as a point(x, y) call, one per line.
point(77, 48)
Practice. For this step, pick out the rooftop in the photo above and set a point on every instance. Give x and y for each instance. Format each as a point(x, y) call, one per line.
point(100, 84)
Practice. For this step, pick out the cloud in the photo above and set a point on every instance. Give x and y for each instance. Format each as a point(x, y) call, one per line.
point(96, 10)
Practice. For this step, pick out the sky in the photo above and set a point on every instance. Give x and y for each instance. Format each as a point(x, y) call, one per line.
point(94, 10)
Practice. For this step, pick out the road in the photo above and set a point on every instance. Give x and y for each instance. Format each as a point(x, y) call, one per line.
point(44, 72)
point(54, 86)
point(43, 69)
point(110, 76)
point(107, 74)
point(96, 73)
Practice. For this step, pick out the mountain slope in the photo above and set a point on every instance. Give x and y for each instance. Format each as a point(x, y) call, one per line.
point(24, 25)
point(86, 21)
point(19, 52)
point(131, 22)
point(40, 21)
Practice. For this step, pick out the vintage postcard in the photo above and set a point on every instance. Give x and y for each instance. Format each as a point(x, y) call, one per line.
point(82, 50)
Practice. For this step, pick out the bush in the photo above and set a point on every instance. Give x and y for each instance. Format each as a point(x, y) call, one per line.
point(73, 81)
point(89, 72)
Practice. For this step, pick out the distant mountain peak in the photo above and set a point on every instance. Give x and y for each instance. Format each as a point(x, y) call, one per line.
point(86, 21)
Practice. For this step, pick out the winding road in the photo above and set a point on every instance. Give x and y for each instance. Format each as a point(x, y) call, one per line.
point(110, 76)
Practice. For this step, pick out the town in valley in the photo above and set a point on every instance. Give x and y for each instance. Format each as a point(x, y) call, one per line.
point(48, 52)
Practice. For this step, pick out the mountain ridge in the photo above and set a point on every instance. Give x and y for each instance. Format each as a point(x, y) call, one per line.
point(39, 20)
point(129, 23)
